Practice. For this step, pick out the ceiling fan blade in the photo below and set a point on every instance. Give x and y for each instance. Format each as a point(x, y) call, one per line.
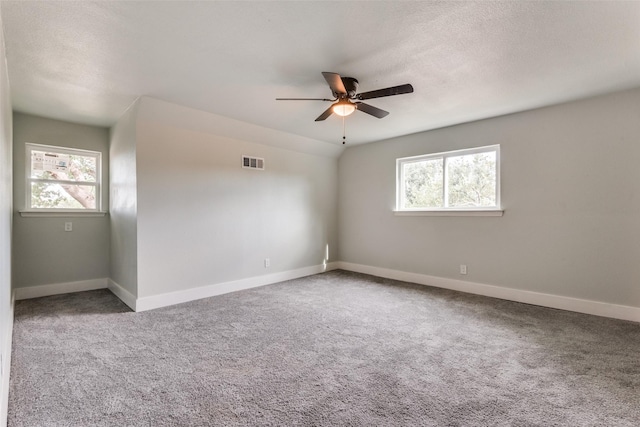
point(326, 114)
point(335, 82)
point(370, 109)
point(390, 91)
point(305, 99)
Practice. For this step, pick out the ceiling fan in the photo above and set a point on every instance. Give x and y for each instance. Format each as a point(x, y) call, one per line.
point(346, 100)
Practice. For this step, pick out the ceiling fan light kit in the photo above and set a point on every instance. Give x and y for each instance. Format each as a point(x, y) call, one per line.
point(344, 90)
point(343, 107)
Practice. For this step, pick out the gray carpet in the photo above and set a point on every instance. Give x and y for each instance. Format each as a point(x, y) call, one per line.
point(336, 349)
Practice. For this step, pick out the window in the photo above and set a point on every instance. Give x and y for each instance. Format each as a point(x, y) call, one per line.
point(463, 180)
point(62, 179)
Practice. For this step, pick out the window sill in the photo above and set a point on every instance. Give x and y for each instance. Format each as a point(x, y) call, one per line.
point(451, 212)
point(58, 214)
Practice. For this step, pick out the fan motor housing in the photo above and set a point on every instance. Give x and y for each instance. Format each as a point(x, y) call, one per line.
point(351, 86)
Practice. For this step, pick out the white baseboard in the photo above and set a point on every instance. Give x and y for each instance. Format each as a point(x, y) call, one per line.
point(163, 300)
point(60, 288)
point(6, 363)
point(596, 308)
point(124, 295)
point(171, 298)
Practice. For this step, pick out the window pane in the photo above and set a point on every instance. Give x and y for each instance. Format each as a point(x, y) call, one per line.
point(472, 180)
point(422, 184)
point(67, 167)
point(45, 195)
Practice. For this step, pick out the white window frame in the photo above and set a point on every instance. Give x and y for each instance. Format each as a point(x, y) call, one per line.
point(29, 147)
point(447, 211)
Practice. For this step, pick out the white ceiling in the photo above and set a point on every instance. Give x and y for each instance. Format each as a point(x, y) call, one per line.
point(87, 62)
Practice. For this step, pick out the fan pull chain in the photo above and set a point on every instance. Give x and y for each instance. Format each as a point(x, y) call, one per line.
point(344, 138)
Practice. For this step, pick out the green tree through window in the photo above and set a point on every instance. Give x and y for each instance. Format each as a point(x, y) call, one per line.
point(63, 178)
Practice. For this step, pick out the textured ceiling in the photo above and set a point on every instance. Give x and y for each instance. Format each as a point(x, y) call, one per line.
point(87, 61)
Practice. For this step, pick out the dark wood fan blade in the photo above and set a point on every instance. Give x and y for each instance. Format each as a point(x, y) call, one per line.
point(390, 91)
point(326, 114)
point(335, 82)
point(304, 99)
point(370, 109)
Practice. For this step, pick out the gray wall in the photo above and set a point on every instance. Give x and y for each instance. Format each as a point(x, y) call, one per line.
point(124, 202)
point(203, 220)
point(6, 308)
point(43, 253)
point(569, 189)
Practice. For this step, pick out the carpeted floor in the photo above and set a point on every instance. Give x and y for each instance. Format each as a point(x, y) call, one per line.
point(336, 349)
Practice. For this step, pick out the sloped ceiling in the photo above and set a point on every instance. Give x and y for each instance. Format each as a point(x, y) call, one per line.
point(87, 62)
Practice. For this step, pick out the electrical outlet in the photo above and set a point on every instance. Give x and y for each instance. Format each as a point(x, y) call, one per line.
point(68, 226)
point(463, 269)
point(267, 263)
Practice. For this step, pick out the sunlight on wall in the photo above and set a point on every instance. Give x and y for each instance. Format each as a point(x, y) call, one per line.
point(326, 258)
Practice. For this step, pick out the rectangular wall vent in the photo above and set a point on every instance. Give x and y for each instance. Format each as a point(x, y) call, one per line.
point(252, 162)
